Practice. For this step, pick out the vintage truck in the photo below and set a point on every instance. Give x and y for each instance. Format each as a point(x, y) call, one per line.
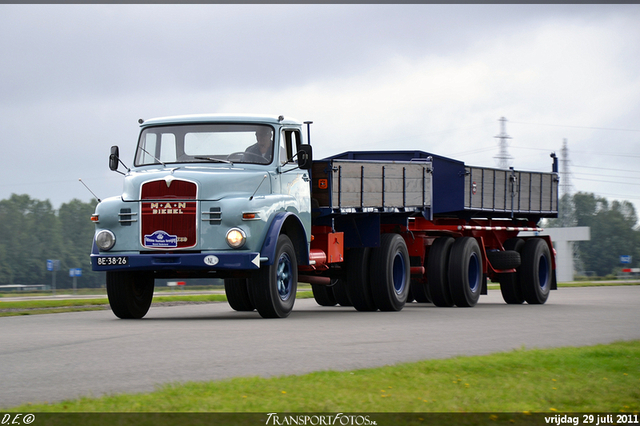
point(240, 198)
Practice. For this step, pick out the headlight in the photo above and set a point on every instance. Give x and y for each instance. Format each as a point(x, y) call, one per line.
point(105, 240)
point(236, 238)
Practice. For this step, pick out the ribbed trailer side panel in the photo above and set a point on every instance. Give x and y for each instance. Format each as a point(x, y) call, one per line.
point(372, 185)
point(510, 191)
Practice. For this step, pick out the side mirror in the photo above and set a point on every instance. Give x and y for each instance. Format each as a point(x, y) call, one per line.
point(305, 156)
point(114, 158)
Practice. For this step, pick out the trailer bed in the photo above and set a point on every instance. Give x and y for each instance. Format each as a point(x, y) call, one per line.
point(416, 181)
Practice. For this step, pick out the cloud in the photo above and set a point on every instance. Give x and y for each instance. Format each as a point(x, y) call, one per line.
point(430, 77)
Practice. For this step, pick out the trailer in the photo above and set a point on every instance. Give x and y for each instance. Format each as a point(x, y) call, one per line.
point(241, 198)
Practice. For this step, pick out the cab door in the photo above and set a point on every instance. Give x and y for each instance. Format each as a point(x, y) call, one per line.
point(294, 182)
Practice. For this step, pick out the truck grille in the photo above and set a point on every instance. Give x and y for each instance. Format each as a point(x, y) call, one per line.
point(168, 210)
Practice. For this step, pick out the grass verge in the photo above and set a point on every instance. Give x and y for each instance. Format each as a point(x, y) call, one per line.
point(34, 307)
point(602, 378)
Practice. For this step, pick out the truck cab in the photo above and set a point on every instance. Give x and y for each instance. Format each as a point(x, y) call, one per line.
point(207, 196)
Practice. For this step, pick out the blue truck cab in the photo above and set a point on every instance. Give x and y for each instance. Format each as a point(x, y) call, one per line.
point(208, 196)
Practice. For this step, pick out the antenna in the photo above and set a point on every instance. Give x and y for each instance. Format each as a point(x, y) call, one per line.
point(94, 195)
point(504, 159)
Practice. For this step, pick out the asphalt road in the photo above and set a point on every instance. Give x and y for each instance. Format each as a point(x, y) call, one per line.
point(62, 356)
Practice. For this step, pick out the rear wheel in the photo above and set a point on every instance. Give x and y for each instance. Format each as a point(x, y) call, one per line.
point(390, 273)
point(438, 272)
point(323, 294)
point(510, 282)
point(358, 283)
point(273, 288)
point(237, 291)
point(130, 293)
point(341, 294)
point(465, 272)
point(535, 271)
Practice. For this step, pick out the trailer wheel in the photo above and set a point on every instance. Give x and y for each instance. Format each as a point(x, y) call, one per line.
point(438, 272)
point(323, 294)
point(465, 272)
point(237, 291)
point(130, 293)
point(510, 282)
point(358, 283)
point(274, 286)
point(507, 259)
point(389, 273)
point(535, 271)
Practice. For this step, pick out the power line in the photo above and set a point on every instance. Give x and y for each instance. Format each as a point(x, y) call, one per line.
point(578, 127)
point(605, 168)
point(608, 181)
point(614, 176)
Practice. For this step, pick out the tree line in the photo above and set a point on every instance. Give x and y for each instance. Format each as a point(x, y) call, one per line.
point(614, 232)
point(32, 232)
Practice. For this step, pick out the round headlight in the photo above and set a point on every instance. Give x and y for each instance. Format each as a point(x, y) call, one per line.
point(105, 240)
point(236, 237)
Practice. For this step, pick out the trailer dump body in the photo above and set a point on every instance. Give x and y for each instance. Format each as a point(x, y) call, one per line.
point(435, 185)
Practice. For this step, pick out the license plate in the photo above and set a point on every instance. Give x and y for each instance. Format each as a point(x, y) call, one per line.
point(113, 260)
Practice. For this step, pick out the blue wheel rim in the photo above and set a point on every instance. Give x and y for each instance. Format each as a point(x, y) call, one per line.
point(474, 272)
point(543, 271)
point(399, 277)
point(284, 277)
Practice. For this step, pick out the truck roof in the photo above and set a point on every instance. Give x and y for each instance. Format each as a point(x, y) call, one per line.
point(219, 118)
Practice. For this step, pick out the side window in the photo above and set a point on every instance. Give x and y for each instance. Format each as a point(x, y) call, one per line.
point(289, 144)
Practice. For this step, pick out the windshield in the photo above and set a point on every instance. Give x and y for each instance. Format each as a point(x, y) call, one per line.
point(202, 143)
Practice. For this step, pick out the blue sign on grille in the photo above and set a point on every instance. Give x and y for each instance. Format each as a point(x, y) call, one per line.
point(161, 239)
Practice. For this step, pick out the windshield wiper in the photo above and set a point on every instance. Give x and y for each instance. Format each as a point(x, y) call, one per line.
point(219, 160)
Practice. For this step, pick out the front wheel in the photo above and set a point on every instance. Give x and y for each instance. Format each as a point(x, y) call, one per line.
point(535, 271)
point(465, 272)
point(274, 287)
point(130, 293)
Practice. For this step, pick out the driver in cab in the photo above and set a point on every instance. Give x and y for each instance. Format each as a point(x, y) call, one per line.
point(262, 151)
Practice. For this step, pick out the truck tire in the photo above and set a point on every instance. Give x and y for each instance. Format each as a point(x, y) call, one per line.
point(237, 291)
point(510, 282)
point(358, 284)
point(535, 271)
point(389, 273)
point(507, 259)
point(465, 272)
point(273, 288)
point(341, 294)
point(130, 293)
point(438, 272)
point(323, 294)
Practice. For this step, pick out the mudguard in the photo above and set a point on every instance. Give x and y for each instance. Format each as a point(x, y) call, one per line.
point(295, 231)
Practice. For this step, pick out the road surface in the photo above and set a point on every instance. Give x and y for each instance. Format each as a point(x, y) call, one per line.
point(67, 355)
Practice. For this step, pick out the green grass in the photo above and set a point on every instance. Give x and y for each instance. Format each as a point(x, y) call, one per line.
point(602, 378)
point(34, 307)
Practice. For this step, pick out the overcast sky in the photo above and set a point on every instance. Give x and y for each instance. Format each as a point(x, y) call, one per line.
point(75, 79)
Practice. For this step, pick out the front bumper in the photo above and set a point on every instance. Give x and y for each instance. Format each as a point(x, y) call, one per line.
point(176, 261)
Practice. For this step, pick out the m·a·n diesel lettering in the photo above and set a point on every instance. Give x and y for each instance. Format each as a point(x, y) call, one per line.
point(168, 208)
